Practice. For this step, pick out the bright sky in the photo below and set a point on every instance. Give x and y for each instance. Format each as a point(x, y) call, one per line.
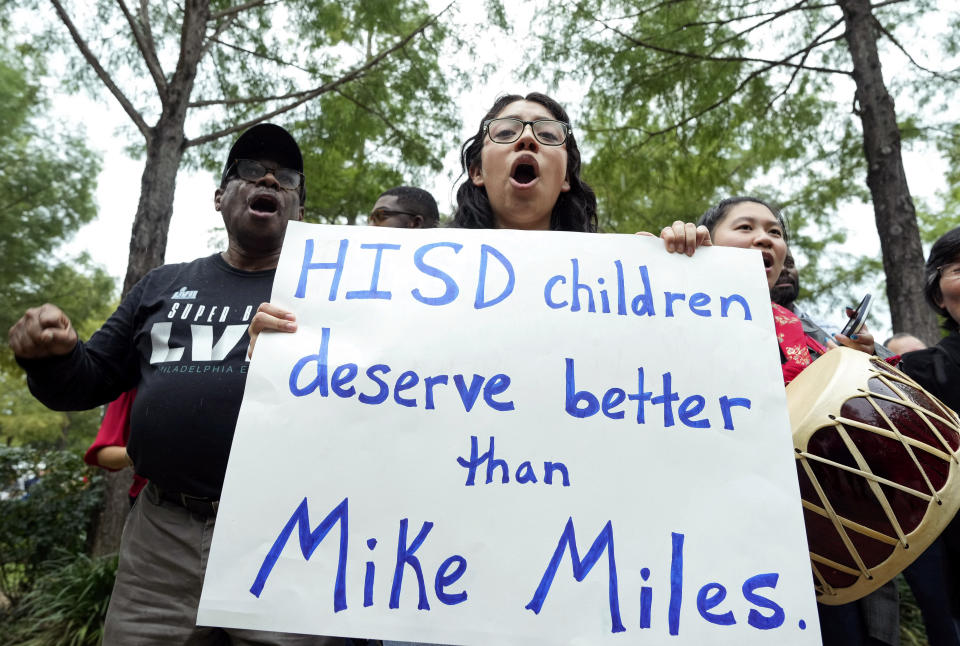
point(193, 230)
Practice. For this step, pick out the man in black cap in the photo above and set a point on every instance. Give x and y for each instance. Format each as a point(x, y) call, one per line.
point(180, 338)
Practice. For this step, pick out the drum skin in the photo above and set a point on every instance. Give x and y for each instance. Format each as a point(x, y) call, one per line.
point(877, 460)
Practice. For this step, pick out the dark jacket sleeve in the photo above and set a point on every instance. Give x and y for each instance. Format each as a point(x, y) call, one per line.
point(96, 371)
point(937, 369)
point(919, 365)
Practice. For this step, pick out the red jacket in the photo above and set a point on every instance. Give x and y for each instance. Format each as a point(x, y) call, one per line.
point(114, 431)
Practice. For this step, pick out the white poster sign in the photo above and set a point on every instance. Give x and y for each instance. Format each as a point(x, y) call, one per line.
point(505, 437)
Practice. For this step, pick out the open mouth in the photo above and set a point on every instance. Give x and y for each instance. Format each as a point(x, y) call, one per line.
point(767, 260)
point(264, 203)
point(524, 174)
point(525, 171)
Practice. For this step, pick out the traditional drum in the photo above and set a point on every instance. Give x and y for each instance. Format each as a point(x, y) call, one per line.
point(877, 459)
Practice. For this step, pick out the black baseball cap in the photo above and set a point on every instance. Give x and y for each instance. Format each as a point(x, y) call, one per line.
point(266, 140)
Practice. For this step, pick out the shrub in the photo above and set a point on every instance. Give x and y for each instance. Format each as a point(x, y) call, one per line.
point(67, 604)
point(47, 499)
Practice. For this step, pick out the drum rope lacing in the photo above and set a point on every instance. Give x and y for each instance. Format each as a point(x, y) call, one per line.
point(841, 524)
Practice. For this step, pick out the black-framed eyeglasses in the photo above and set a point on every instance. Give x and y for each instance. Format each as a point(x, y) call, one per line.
point(379, 215)
point(253, 171)
point(950, 271)
point(507, 130)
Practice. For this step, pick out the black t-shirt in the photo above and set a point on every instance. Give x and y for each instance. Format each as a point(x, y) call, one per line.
point(180, 336)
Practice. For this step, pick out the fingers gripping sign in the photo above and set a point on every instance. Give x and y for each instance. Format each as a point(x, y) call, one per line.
point(41, 332)
point(683, 237)
point(269, 317)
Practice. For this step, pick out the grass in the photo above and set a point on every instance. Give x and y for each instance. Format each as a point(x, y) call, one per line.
point(67, 606)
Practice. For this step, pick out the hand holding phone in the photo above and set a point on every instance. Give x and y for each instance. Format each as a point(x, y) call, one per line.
point(859, 317)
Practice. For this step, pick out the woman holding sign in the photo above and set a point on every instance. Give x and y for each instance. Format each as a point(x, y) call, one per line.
point(523, 172)
point(751, 223)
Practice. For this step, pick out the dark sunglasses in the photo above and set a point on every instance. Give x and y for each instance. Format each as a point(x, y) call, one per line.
point(253, 171)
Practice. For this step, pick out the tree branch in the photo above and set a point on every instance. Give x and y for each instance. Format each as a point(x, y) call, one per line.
point(218, 30)
point(192, 32)
point(650, 134)
point(145, 21)
point(786, 87)
point(785, 62)
point(352, 75)
point(146, 51)
point(101, 73)
point(727, 21)
point(879, 5)
point(232, 11)
point(258, 55)
point(768, 18)
point(397, 132)
point(816, 42)
point(366, 108)
point(883, 30)
point(248, 100)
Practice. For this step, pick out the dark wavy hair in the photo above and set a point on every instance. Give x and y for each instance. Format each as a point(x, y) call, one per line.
point(715, 214)
point(943, 252)
point(574, 210)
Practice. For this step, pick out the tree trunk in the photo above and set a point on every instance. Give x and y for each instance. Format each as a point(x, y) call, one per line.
point(148, 240)
point(165, 146)
point(892, 204)
point(148, 243)
point(108, 525)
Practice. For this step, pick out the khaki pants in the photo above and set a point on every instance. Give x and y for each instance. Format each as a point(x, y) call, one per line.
point(163, 556)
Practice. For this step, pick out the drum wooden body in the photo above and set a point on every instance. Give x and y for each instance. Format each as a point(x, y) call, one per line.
point(877, 459)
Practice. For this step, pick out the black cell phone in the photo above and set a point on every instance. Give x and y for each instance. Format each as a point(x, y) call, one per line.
point(855, 323)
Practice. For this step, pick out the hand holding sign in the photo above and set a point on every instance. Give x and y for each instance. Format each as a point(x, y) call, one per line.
point(269, 317)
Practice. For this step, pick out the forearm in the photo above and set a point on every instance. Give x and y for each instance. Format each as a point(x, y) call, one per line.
point(114, 457)
point(94, 372)
point(76, 381)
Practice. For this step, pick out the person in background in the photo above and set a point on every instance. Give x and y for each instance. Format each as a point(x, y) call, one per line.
point(935, 576)
point(786, 290)
point(904, 342)
point(109, 449)
point(405, 207)
point(785, 293)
